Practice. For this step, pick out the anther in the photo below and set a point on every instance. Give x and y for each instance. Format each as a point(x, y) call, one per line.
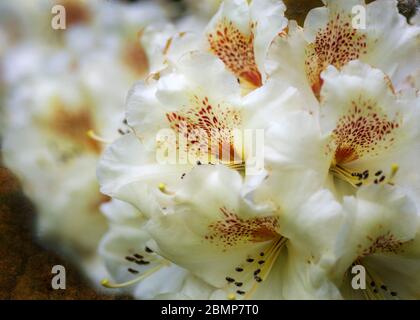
point(162, 188)
point(229, 279)
point(239, 269)
point(132, 271)
point(394, 169)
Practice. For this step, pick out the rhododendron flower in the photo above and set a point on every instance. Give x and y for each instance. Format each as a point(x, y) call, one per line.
point(333, 36)
point(382, 236)
point(240, 35)
point(244, 249)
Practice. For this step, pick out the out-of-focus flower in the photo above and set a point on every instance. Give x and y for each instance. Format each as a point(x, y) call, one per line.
point(63, 109)
point(50, 151)
point(206, 8)
point(180, 120)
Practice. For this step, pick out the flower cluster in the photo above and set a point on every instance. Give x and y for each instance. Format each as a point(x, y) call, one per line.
point(339, 190)
point(257, 157)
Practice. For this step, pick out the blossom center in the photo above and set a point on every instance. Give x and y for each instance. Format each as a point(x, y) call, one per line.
point(364, 133)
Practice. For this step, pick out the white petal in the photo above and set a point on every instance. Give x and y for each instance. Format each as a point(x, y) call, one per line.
point(268, 15)
point(122, 242)
point(128, 171)
point(286, 63)
point(379, 218)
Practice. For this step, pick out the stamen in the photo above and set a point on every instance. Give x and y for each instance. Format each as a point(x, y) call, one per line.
point(376, 288)
point(271, 257)
point(255, 271)
point(91, 134)
point(394, 170)
point(163, 189)
point(107, 284)
point(237, 166)
point(354, 178)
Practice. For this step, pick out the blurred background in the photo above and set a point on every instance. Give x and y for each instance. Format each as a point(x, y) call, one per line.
point(62, 93)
